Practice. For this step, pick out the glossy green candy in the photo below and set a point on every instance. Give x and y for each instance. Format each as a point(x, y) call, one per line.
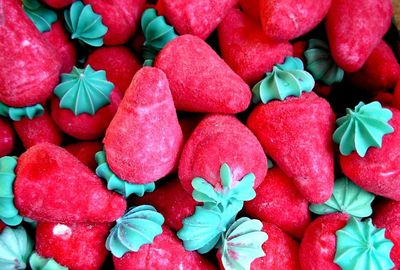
point(16, 114)
point(15, 248)
point(38, 262)
point(41, 16)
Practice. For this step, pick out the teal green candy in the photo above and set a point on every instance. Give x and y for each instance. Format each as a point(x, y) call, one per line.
point(320, 63)
point(347, 198)
point(38, 262)
point(242, 244)
point(362, 128)
point(139, 226)
point(115, 183)
point(287, 79)
point(157, 33)
point(15, 248)
point(84, 90)
point(233, 196)
point(41, 16)
point(84, 24)
point(8, 213)
point(360, 245)
point(16, 114)
point(203, 230)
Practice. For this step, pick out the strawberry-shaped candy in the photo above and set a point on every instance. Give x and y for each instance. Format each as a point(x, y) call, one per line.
point(58, 3)
point(118, 62)
point(335, 242)
point(7, 138)
point(387, 215)
point(279, 252)
point(15, 248)
point(196, 17)
point(380, 71)
point(85, 103)
point(279, 202)
point(321, 64)
point(346, 198)
point(85, 152)
point(144, 139)
point(29, 68)
point(172, 201)
point(120, 16)
point(217, 140)
point(188, 123)
point(296, 132)
point(373, 132)
point(246, 49)
point(283, 20)
point(79, 246)
point(355, 29)
point(38, 130)
point(50, 184)
point(251, 8)
point(200, 80)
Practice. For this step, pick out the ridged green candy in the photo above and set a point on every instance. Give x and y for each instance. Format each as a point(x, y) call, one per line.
point(16, 113)
point(139, 226)
point(84, 24)
point(115, 183)
point(38, 262)
point(15, 248)
point(320, 63)
point(8, 213)
point(41, 16)
point(242, 244)
point(360, 245)
point(287, 79)
point(362, 128)
point(84, 90)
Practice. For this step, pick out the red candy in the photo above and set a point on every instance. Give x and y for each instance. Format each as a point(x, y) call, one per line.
point(251, 8)
point(118, 62)
point(58, 3)
point(41, 129)
point(283, 20)
point(216, 140)
point(29, 67)
point(246, 49)
point(53, 186)
point(297, 134)
point(353, 33)
point(85, 152)
point(144, 139)
point(318, 247)
point(378, 171)
point(279, 202)
point(76, 246)
point(7, 138)
point(166, 252)
point(200, 80)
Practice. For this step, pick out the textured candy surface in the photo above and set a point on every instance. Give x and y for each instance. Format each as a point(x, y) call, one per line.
point(144, 138)
point(85, 152)
point(200, 80)
point(7, 137)
point(52, 185)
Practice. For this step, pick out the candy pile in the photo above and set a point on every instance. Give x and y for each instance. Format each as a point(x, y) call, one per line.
point(199, 134)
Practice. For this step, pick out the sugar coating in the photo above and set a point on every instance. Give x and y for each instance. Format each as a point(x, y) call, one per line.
point(297, 134)
point(387, 216)
point(144, 139)
point(279, 202)
point(353, 33)
point(246, 49)
point(53, 186)
point(318, 246)
point(196, 17)
point(76, 246)
point(120, 16)
point(7, 138)
point(85, 126)
point(216, 140)
point(378, 172)
point(40, 129)
point(29, 68)
point(251, 8)
point(119, 63)
point(200, 80)
point(166, 252)
point(172, 201)
point(283, 20)
point(85, 152)
point(380, 71)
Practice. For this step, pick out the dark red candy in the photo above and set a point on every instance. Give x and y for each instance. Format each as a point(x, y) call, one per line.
point(7, 137)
